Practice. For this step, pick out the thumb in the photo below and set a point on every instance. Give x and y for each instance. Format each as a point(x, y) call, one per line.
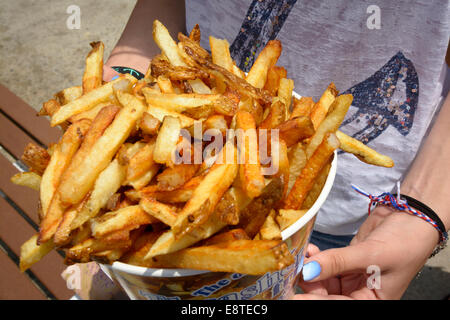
point(333, 262)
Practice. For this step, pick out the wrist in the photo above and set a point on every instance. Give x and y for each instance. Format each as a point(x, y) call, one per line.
point(128, 57)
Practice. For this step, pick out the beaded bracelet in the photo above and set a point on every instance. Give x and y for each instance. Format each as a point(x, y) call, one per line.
point(399, 202)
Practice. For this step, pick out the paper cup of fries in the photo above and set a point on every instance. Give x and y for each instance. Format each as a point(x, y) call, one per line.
point(142, 283)
point(198, 181)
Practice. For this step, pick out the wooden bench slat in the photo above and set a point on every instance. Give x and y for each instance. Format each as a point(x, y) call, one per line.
point(24, 197)
point(14, 232)
point(14, 284)
point(12, 137)
point(25, 116)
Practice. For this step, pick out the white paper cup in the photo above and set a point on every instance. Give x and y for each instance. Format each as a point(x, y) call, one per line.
point(142, 283)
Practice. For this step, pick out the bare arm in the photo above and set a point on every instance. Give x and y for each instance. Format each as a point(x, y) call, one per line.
point(136, 46)
point(428, 180)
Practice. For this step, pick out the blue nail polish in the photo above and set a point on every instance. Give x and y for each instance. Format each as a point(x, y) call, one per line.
point(311, 270)
point(115, 77)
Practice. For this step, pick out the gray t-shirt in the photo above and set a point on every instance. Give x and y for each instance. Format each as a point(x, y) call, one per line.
point(388, 54)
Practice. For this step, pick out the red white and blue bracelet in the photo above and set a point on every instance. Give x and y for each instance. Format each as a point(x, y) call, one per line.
point(411, 206)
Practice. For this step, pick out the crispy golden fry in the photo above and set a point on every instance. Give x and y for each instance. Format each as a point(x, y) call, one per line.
point(195, 33)
point(89, 114)
point(274, 75)
point(36, 158)
point(87, 101)
point(56, 208)
point(160, 211)
point(252, 217)
point(238, 72)
point(98, 126)
point(83, 251)
point(167, 140)
point(149, 124)
point(167, 242)
point(141, 162)
point(159, 113)
point(363, 152)
point(93, 73)
point(314, 193)
point(205, 198)
point(320, 109)
point(62, 234)
point(230, 235)
point(145, 179)
point(69, 94)
point(128, 150)
point(285, 90)
point(182, 194)
point(165, 84)
point(62, 155)
point(107, 183)
point(220, 53)
point(227, 208)
point(281, 158)
point(331, 123)
point(305, 181)
point(252, 180)
point(176, 176)
point(216, 123)
point(294, 130)
point(80, 180)
point(186, 101)
point(170, 49)
point(127, 218)
point(297, 160)
point(195, 59)
point(27, 179)
point(49, 108)
point(286, 217)
point(266, 59)
point(255, 257)
point(270, 230)
point(162, 67)
point(30, 252)
point(166, 43)
point(302, 107)
point(276, 115)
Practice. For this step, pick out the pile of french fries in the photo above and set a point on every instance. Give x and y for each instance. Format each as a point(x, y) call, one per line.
point(112, 190)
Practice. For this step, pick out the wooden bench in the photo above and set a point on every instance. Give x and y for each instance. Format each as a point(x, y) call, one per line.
point(20, 125)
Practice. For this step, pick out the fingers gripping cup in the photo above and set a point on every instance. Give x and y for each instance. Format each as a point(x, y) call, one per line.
point(142, 283)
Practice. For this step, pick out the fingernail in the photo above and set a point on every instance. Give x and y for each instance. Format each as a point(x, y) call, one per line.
point(311, 270)
point(114, 78)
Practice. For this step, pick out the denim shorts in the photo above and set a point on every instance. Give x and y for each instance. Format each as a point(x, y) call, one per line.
point(328, 241)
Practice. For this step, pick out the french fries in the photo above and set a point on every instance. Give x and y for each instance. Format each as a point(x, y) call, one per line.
point(93, 74)
point(305, 181)
point(87, 101)
point(80, 180)
point(36, 158)
point(363, 152)
point(266, 59)
point(166, 141)
point(133, 178)
point(252, 180)
point(27, 179)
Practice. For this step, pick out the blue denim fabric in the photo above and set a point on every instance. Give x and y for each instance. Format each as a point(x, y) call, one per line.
point(328, 241)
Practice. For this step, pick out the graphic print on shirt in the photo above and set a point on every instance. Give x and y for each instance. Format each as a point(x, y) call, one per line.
point(262, 23)
point(388, 97)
